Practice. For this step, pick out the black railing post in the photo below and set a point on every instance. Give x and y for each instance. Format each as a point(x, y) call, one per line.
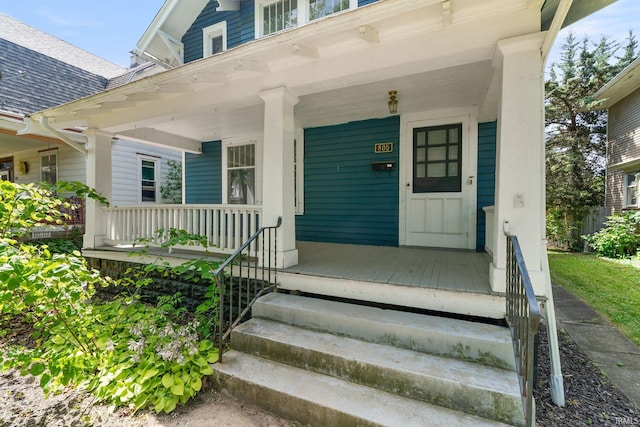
point(523, 317)
point(259, 257)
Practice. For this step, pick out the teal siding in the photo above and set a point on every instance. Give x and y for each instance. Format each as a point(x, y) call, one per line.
point(345, 201)
point(240, 28)
point(486, 176)
point(203, 174)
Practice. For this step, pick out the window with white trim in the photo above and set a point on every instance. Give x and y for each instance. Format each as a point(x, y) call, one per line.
point(240, 173)
point(631, 185)
point(148, 183)
point(276, 15)
point(214, 39)
point(49, 166)
point(321, 8)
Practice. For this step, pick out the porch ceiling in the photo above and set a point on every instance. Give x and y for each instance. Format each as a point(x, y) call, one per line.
point(341, 68)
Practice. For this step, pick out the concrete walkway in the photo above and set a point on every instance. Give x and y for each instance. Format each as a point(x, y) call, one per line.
point(616, 355)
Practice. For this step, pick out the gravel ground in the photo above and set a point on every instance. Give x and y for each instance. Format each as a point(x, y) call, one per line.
point(591, 401)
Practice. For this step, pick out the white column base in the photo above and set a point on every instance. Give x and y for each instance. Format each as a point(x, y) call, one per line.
point(92, 241)
point(287, 259)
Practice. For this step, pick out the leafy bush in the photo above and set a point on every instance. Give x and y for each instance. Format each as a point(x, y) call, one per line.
point(123, 351)
point(563, 230)
point(619, 238)
point(59, 246)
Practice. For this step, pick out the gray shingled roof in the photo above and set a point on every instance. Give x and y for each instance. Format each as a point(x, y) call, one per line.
point(24, 35)
point(39, 71)
point(32, 81)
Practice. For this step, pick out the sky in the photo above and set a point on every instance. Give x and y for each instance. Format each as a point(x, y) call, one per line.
point(112, 28)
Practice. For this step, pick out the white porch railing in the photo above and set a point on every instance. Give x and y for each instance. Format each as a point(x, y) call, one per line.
point(226, 227)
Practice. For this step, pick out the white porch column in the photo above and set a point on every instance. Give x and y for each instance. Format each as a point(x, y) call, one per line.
point(520, 171)
point(278, 176)
point(98, 177)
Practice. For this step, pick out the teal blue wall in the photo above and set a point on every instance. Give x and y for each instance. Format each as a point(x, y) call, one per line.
point(240, 27)
point(486, 176)
point(345, 201)
point(203, 174)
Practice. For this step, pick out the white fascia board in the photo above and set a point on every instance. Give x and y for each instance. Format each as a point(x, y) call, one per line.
point(160, 18)
point(627, 81)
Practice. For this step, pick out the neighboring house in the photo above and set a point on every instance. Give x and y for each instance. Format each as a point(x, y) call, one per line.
point(40, 71)
point(621, 96)
point(380, 132)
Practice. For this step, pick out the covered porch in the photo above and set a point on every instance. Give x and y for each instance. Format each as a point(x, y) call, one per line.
point(478, 64)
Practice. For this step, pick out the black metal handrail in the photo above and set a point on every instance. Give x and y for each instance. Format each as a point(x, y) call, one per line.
point(241, 279)
point(523, 317)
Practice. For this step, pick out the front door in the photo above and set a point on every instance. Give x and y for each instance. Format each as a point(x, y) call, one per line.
point(438, 185)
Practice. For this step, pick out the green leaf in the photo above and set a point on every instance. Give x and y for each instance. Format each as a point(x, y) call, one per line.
point(36, 369)
point(44, 380)
point(57, 339)
point(160, 405)
point(213, 357)
point(206, 370)
point(170, 404)
point(196, 384)
point(178, 388)
point(149, 374)
point(167, 380)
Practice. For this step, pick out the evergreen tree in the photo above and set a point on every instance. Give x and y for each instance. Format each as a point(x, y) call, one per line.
point(576, 131)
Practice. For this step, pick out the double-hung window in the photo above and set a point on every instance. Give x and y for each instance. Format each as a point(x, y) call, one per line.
point(214, 39)
point(148, 182)
point(631, 181)
point(49, 166)
point(277, 15)
point(241, 174)
point(321, 8)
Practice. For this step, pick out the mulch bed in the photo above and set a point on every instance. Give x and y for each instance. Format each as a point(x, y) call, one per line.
point(590, 398)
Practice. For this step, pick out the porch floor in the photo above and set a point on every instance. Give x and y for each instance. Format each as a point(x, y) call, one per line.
point(443, 269)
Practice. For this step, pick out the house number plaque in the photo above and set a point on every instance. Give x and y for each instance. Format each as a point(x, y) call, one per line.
point(384, 147)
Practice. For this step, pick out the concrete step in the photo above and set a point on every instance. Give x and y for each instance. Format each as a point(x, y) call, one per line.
point(483, 343)
point(461, 385)
point(321, 400)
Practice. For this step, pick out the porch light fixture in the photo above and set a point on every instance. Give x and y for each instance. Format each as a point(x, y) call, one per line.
point(393, 102)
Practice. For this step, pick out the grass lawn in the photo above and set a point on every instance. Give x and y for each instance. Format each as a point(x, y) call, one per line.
point(611, 287)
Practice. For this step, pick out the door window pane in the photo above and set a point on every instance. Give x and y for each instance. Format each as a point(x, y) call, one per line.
point(437, 162)
point(436, 170)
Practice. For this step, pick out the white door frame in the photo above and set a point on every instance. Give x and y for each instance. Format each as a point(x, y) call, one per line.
point(469, 121)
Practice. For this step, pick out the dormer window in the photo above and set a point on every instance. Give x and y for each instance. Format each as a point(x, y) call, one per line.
point(277, 15)
point(214, 39)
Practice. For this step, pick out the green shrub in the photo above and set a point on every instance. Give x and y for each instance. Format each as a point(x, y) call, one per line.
point(123, 351)
point(619, 238)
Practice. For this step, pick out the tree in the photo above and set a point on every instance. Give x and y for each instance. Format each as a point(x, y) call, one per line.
point(172, 190)
point(576, 131)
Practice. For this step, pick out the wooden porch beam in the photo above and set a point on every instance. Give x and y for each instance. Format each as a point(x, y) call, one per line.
point(155, 137)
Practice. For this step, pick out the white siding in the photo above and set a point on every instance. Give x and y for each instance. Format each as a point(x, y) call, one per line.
point(125, 169)
point(71, 165)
